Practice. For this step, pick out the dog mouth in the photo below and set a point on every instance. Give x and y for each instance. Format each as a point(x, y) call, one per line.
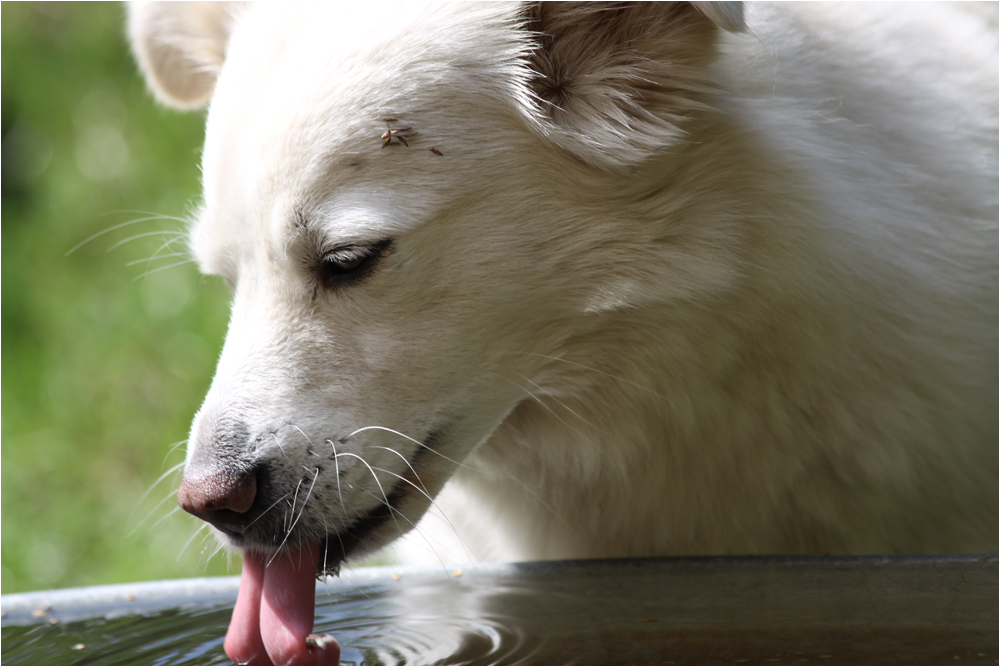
point(335, 548)
point(274, 610)
point(243, 507)
point(273, 617)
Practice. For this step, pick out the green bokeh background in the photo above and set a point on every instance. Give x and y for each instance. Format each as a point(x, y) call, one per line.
point(102, 366)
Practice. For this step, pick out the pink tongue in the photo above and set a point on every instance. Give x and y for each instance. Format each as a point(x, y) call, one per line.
point(244, 645)
point(274, 611)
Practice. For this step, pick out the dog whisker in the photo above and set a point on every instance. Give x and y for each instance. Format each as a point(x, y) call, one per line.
point(407, 462)
point(326, 552)
point(170, 496)
point(264, 513)
point(113, 228)
point(273, 435)
point(148, 260)
point(336, 463)
point(424, 492)
point(427, 495)
point(145, 494)
point(415, 527)
point(163, 268)
point(201, 528)
point(291, 508)
point(173, 510)
point(218, 547)
point(152, 215)
point(422, 488)
point(305, 502)
point(413, 440)
point(308, 439)
point(173, 234)
point(170, 450)
point(374, 476)
point(550, 410)
point(516, 481)
point(172, 239)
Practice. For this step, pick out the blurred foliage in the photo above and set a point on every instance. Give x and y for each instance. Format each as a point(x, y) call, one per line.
point(107, 351)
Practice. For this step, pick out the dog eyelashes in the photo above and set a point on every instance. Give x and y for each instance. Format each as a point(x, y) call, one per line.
point(344, 262)
point(346, 266)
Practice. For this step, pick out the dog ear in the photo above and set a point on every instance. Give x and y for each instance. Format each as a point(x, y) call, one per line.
point(613, 82)
point(181, 46)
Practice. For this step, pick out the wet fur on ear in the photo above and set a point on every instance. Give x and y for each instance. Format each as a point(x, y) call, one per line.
point(614, 81)
point(181, 46)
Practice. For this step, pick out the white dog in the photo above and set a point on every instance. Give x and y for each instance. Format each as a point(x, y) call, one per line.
point(633, 280)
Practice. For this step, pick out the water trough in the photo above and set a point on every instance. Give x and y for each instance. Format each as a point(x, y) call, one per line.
point(717, 610)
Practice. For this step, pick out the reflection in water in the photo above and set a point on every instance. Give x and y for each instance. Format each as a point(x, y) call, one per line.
point(685, 611)
point(166, 638)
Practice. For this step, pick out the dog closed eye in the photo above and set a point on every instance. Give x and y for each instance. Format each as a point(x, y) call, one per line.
point(348, 265)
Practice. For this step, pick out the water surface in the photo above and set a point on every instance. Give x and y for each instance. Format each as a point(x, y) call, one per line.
point(659, 611)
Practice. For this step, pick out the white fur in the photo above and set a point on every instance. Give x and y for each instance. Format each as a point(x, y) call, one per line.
point(709, 293)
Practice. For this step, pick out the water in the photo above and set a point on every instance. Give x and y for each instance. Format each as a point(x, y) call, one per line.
point(368, 634)
point(662, 611)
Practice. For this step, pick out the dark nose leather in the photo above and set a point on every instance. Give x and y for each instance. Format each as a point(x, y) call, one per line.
point(222, 498)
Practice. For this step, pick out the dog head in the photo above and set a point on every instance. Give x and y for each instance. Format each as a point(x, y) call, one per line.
point(416, 208)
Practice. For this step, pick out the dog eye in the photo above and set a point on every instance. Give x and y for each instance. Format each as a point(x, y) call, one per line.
point(342, 263)
point(348, 265)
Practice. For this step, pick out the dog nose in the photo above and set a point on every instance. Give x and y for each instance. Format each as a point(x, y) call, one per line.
point(222, 498)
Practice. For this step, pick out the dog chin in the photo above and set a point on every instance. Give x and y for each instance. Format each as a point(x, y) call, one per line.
point(367, 534)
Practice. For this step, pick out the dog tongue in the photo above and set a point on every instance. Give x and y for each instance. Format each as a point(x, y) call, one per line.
point(273, 616)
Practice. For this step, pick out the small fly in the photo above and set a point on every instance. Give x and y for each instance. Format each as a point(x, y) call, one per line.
point(399, 134)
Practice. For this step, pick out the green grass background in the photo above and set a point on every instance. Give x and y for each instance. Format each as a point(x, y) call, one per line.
point(102, 367)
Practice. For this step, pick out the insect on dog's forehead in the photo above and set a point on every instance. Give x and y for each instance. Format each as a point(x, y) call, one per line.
point(305, 90)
